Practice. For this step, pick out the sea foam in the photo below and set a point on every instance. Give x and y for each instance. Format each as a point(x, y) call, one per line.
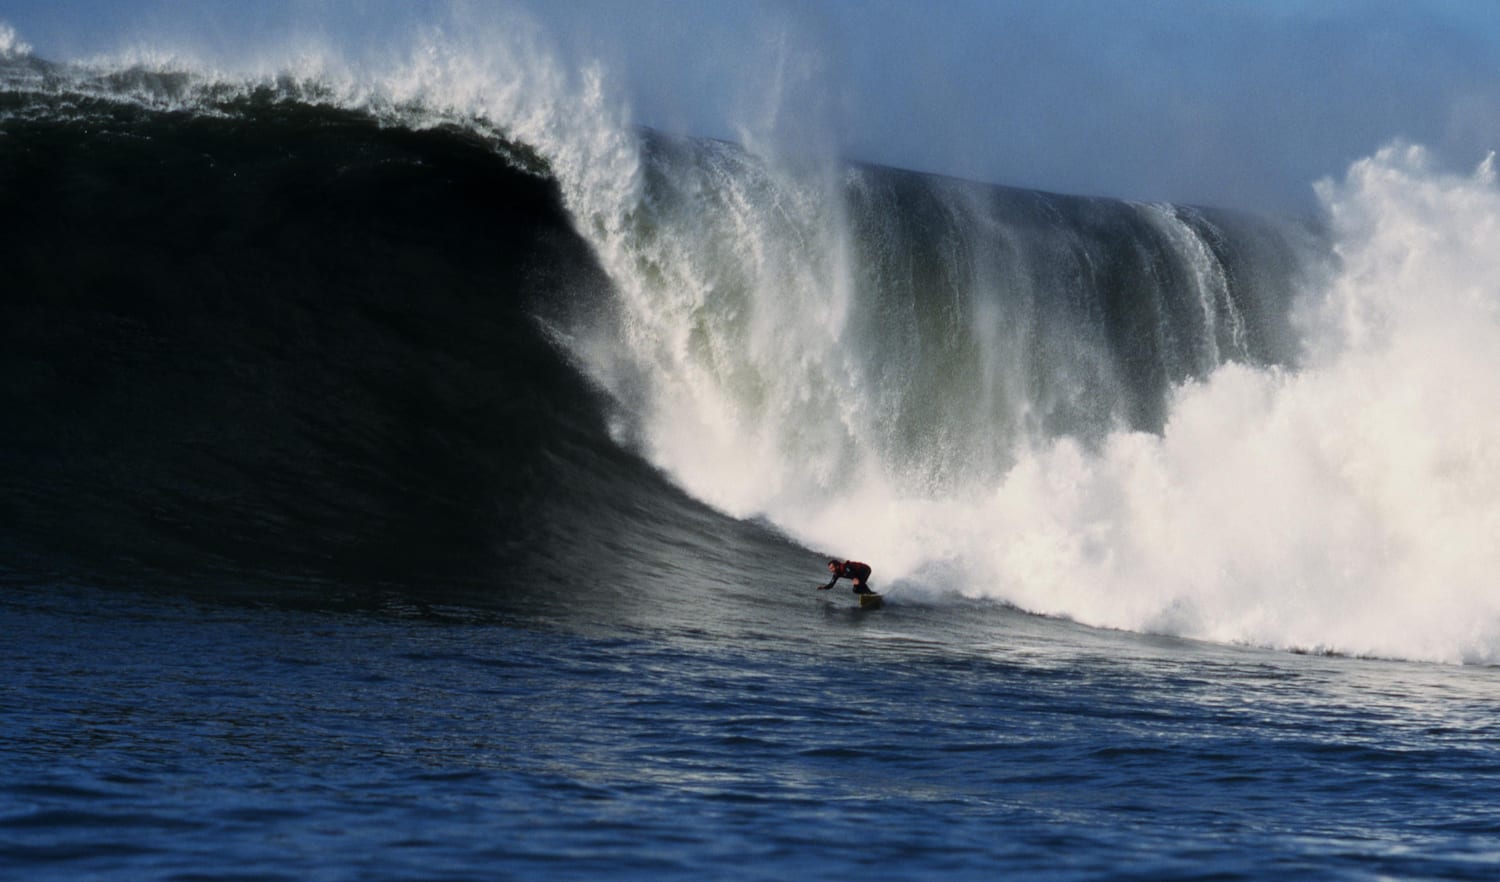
point(1350, 505)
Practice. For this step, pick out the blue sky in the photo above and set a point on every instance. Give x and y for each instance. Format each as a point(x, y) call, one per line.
point(1229, 102)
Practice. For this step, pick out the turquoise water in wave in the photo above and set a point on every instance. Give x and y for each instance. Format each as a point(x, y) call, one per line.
point(782, 736)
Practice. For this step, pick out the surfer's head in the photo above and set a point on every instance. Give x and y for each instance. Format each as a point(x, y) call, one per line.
point(832, 565)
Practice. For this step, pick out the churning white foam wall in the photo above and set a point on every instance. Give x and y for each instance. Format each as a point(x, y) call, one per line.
point(1352, 505)
point(1349, 505)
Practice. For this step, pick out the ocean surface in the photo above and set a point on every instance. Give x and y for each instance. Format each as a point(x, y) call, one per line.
point(427, 475)
point(158, 737)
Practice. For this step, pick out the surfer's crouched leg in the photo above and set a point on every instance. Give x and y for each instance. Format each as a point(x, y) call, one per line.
point(862, 588)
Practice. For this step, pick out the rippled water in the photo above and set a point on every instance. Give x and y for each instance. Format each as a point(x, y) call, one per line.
point(159, 738)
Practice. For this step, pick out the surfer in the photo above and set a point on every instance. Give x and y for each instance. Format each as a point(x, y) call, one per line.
point(852, 570)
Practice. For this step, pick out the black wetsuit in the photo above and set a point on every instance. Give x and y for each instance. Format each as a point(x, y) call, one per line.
point(853, 569)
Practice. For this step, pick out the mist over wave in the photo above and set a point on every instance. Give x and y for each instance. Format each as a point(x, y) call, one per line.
point(1142, 416)
point(1090, 409)
point(1146, 417)
point(1348, 505)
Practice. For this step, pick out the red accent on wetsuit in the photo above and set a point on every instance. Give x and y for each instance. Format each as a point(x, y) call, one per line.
point(853, 569)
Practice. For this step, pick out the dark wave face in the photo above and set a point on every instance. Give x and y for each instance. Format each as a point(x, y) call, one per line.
point(259, 337)
point(282, 342)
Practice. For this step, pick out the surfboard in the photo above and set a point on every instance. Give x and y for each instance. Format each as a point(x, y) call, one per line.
point(870, 601)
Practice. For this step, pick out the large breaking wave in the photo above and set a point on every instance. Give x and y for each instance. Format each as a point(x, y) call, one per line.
point(326, 315)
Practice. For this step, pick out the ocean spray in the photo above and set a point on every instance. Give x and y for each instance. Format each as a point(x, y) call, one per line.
point(975, 443)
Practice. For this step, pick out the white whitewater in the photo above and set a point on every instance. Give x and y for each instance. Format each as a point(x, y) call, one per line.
point(1349, 505)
